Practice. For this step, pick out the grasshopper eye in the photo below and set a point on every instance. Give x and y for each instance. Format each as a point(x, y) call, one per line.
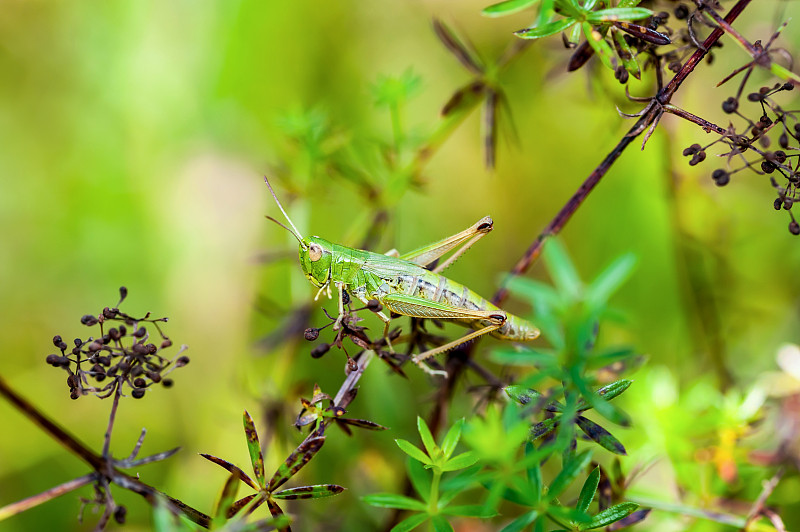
point(314, 252)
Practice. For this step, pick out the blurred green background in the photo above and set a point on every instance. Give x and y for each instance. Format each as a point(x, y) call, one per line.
point(135, 138)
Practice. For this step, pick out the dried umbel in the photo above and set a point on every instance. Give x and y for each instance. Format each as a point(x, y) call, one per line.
point(123, 355)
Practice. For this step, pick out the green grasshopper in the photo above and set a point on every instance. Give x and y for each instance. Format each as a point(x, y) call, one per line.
point(403, 285)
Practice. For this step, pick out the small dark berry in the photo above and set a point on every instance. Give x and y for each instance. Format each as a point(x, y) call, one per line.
point(794, 228)
point(139, 382)
point(105, 361)
point(778, 203)
point(113, 333)
point(95, 346)
point(780, 156)
point(78, 342)
point(166, 343)
point(123, 330)
point(74, 393)
point(722, 180)
point(141, 331)
point(120, 511)
point(53, 360)
point(138, 393)
point(123, 366)
point(691, 150)
point(182, 361)
point(320, 350)
point(154, 376)
point(698, 158)
point(123, 293)
point(730, 105)
point(681, 12)
point(167, 383)
point(787, 204)
point(311, 334)
point(57, 340)
point(374, 305)
point(783, 140)
point(139, 349)
point(136, 370)
point(110, 312)
point(788, 86)
point(73, 381)
point(89, 320)
point(754, 97)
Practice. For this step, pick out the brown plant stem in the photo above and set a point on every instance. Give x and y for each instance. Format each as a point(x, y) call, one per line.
point(35, 500)
point(104, 470)
point(662, 98)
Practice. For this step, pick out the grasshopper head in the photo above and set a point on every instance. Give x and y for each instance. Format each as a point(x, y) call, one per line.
point(315, 258)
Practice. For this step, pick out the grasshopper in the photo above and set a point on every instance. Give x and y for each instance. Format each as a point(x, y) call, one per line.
point(403, 285)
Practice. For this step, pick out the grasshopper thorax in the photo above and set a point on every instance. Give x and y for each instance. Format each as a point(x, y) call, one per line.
point(316, 258)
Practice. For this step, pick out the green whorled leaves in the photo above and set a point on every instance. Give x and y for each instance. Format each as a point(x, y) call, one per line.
point(530, 397)
point(425, 470)
point(227, 507)
point(508, 7)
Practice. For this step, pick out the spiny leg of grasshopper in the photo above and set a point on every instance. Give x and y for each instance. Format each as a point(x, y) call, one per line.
point(422, 308)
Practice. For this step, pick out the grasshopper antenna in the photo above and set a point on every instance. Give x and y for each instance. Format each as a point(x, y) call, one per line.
point(296, 233)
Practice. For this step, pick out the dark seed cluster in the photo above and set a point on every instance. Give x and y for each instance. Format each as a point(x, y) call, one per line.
point(751, 146)
point(121, 356)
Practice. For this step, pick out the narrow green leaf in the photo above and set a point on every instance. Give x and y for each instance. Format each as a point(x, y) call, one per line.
point(253, 445)
point(316, 491)
point(574, 35)
point(569, 514)
point(361, 423)
point(523, 395)
point(588, 490)
point(441, 524)
point(521, 522)
point(460, 461)
point(420, 478)
point(551, 28)
point(469, 510)
point(616, 388)
point(540, 357)
point(628, 3)
point(598, 43)
point(462, 479)
point(413, 451)
point(451, 438)
point(628, 58)
point(610, 279)
point(534, 474)
point(299, 457)
point(611, 515)
point(600, 435)
point(543, 428)
point(427, 437)
point(393, 500)
point(508, 7)
point(410, 523)
point(618, 13)
point(230, 468)
point(568, 474)
point(225, 501)
point(561, 269)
